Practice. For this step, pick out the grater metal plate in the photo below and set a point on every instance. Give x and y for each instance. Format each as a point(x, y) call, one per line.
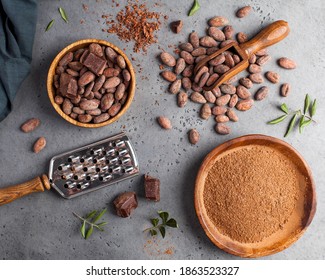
point(93, 166)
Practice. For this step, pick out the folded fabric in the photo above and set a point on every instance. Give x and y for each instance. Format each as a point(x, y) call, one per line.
point(17, 29)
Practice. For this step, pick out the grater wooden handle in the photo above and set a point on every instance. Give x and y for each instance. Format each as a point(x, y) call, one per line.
point(38, 184)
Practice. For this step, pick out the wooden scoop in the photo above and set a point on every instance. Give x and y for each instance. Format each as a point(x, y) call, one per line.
point(270, 35)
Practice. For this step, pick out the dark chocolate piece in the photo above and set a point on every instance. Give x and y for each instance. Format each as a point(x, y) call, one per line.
point(152, 188)
point(68, 85)
point(95, 63)
point(125, 203)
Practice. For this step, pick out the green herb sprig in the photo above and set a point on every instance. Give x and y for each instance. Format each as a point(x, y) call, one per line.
point(49, 25)
point(165, 222)
point(195, 7)
point(63, 14)
point(304, 117)
point(89, 223)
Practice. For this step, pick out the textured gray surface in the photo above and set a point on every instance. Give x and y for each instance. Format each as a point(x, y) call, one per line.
point(41, 226)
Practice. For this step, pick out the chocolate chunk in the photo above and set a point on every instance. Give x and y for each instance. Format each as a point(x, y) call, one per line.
point(152, 188)
point(68, 85)
point(125, 203)
point(95, 63)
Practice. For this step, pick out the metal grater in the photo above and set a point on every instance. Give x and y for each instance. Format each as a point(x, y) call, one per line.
point(93, 166)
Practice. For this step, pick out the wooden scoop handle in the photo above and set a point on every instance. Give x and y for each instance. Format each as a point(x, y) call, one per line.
point(38, 184)
point(270, 35)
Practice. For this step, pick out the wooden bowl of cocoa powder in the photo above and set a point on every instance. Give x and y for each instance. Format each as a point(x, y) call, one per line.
point(254, 196)
point(68, 103)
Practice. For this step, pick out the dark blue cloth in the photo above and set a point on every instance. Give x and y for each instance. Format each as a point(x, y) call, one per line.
point(17, 29)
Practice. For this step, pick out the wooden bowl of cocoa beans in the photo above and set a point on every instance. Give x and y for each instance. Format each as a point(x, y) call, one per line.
point(91, 83)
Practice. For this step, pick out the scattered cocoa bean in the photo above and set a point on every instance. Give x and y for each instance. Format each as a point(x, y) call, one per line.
point(175, 86)
point(182, 99)
point(188, 71)
point(194, 40)
point(168, 59)
point(186, 83)
point(246, 82)
point(287, 63)
point(39, 145)
point(199, 73)
point(199, 51)
point(212, 79)
point(208, 41)
point(232, 115)
point(30, 125)
point(285, 89)
point(228, 30)
point(221, 119)
point(222, 129)
point(209, 96)
point(243, 92)
point(186, 47)
point(221, 69)
point(241, 37)
point(197, 97)
point(233, 101)
point(218, 60)
point(180, 66)
point(205, 111)
point(205, 76)
point(254, 68)
point(168, 75)
point(193, 136)
point(164, 122)
point(223, 100)
point(218, 110)
point(256, 78)
point(189, 59)
point(216, 34)
point(228, 89)
point(243, 12)
point(244, 105)
point(218, 21)
point(272, 76)
point(261, 93)
point(262, 52)
point(263, 60)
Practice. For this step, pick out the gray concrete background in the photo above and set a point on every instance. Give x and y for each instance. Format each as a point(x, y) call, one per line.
point(41, 226)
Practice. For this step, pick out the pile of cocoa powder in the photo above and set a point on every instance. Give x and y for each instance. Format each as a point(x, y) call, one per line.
point(251, 192)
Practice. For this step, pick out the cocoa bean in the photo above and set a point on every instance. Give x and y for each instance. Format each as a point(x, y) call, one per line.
point(212, 79)
point(225, 43)
point(126, 75)
point(246, 82)
point(111, 72)
point(228, 30)
point(168, 59)
point(285, 89)
point(101, 118)
point(233, 101)
point(221, 119)
point(241, 37)
point(236, 58)
point(272, 76)
point(261, 93)
point(197, 97)
point(244, 105)
point(86, 78)
point(232, 80)
point(115, 108)
point(67, 106)
point(194, 39)
point(229, 61)
point(216, 34)
point(58, 99)
point(67, 58)
point(77, 54)
point(30, 125)
point(86, 118)
point(120, 90)
point(209, 96)
point(182, 99)
point(176, 26)
point(205, 76)
point(212, 50)
point(95, 112)
point(78, 111)
point(221, 69)
point(199, 73)
point(243, 92)
point(96, 49)
point(99, 83)
point(186, 83)
point(287, 63)
point(218, 110)
point(39, 145)
point(189, 59)
point(254, 68)
point(223, 100)
point(76, 100)
point(252, 59)
point(199, 51)
point(217, 60)
point(88, 89)
point(243, 12)
point(256, 78)
point(218, 21)
point(262, 52)
point(228, 89)
point(216, 91)
point(84, 56)
point(73, 116)
point(90, 96)
point(186, 47)
point(75, 65)
point(98, 95)
point(121, 61)
point(222, 129)
point(106, 102)
point(175, 86)
point(88, 105)
point(111, 90)
point(112, 82)
point(180, 66)
point(193, 136)
point(232, 115)
point(164, 122)
point(263, 60)
point(208, 41)
point(205, 111)
point(72, 73)
point(195, 87)
point(111, 54)
point(59, 70)
point(188, 71)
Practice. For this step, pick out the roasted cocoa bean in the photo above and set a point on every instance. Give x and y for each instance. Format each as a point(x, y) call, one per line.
point(221, 119)
point(78, 111)
point(205, 111)
point(39, 145)
point(193, 136)
point(67, 58)
point(209, 96)
point(182, 99)
point(223, 100)
point(86, 118)
point(254, 68)
point(272, 76)
point(86, 78)
point(199, 73)
point(120, 91)
point(176, 26)
point(233, 101)
point(67, 106)
point(168, 59)
point(88, 105)
point(246, 82)
point(205, 76)
point(212, 79)
point(228, 30)
point(221, 69)
point(243, 92)
point(197, 97)
point(222, 129)
point(243, 12)
point(95, 112)
point(189, 59)
point(232, 115)
point(218, 60)
point(115, 108)
point(285, 89)
point(199, 51)
point(228, 89)
point(164, 122)
point(241, 37)
point(263, 60)
point(188, 71)
point(208, 42)
point(101, 118)
point(186, 83)
point(219, 110)
point(180, 66)
point(175, 86)
point(194, 39)
point(186, 47)
point(218, 21)
point(106, 102)
point(244, 105)
point(287, 63)
point(261, 93)
point(216, 34)
point(58, 99)
point(256, 78)
point(121, 61)
point(30, 125)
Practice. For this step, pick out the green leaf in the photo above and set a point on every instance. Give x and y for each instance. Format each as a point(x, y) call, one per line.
point(83, 229)
point(302, 119)
point(172, 223)
point(49, 25)
point(284, 108)
point(63, 14)
point(277, 120)
point(164, 216)
point(99, 215)
point(90, 231)
point(153, 232)
point(162, 231)
point(313, 109)
point(91, 214)
point(305, 123)
point(307, 103)
point(195, 7)
point(102, 224)
point(154, 222)
point(291, 124)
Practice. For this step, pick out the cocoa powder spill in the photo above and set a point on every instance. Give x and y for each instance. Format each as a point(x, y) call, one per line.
point(136, 23)
point(251, 193)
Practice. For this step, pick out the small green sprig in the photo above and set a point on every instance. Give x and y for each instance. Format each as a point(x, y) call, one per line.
point(63, 14)
point(165, 222)
point(89, 223)
point(49, 25)
point(195, 7)
point(304, 117)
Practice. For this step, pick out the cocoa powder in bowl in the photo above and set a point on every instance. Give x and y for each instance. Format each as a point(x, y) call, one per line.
point(253, 193)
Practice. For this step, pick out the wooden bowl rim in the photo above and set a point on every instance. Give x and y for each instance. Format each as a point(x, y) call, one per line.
point(51, 93)
point(228, 247)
